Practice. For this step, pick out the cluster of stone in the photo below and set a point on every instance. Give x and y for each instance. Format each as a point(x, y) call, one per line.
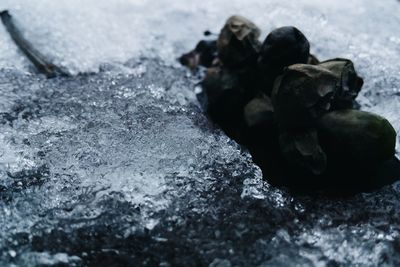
point(295, 114)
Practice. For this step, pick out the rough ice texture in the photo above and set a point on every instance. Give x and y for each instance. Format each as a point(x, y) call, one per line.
point(119, 166)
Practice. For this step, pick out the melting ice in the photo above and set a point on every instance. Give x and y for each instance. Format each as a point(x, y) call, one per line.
point(118, 165)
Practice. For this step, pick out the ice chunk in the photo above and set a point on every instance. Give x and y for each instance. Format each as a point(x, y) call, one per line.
point(137, 175)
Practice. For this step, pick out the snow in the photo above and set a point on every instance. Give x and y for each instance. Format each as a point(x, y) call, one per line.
point(117, 164)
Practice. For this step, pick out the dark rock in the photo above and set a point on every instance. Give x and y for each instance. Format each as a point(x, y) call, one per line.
point(283, 47)
point(357, 137)
point(350, 151)
point(259, 111)
point(261, 133)
point(302, 94)
point(225, 100)
point(312, 60)
point(238, 43)
point(349, 83)
point(204, 54)
point(302, 151)
point(281, 102)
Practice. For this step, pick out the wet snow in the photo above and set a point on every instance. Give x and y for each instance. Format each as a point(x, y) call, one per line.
point(118, 165)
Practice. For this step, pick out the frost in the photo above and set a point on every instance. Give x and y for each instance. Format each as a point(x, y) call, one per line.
point(119, 166)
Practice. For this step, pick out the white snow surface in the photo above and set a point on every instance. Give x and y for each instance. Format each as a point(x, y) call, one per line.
point(123, 145)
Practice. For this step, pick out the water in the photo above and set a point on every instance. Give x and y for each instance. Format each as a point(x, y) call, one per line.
point(118, 166)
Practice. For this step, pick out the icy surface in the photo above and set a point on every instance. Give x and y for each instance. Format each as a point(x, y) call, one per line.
point(117, 166)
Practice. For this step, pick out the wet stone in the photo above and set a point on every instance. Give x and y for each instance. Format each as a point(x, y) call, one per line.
point(302, 94)
point(204, 54)
point(225, 100)
point(238, 43)
point(282, 47)
point(274, 107)
point(259, 111)
point(302, 151)
point(357, 137)
point(312, 60)
point(349, 83)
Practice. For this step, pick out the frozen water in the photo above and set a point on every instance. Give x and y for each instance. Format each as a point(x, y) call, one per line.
point(118, 166)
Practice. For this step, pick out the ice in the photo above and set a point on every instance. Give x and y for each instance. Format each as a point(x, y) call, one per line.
point(45, 259)
point(117, 165)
